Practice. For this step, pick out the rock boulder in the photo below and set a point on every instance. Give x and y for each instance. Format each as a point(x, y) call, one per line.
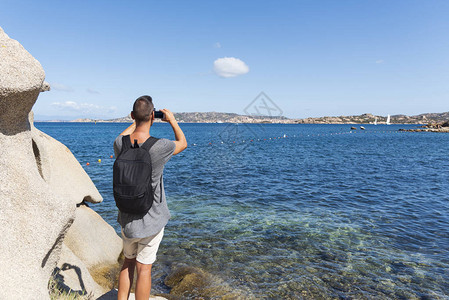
point(92, 239)
point(188, 282)
point(21, 81)
point(41, 185)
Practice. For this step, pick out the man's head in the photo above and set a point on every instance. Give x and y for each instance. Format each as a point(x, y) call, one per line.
point(143, 109)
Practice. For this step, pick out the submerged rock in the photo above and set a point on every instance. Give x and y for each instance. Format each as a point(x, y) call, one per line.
point(195, 283)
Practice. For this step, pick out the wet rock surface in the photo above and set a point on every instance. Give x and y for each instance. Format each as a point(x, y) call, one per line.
point(188, 282)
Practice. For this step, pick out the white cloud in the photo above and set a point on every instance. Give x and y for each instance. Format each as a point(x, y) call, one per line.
point(92, 91)
point(230, 67)
point(217, 45)
point(60, 87)
point(379, 61)
point(112, 109)
point(71, 106)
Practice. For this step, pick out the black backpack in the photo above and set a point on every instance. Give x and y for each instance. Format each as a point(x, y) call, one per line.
point(132, 183)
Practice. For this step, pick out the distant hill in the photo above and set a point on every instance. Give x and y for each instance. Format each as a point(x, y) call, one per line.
point(205, 117)
point(217, 117)
point(369, 118)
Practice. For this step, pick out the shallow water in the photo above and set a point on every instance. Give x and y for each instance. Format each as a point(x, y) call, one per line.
point(319, 213)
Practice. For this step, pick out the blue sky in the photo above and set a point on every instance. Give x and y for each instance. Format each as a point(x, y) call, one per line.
point(312, 58)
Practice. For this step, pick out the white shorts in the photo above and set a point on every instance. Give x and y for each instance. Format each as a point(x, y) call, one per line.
point(142, 249)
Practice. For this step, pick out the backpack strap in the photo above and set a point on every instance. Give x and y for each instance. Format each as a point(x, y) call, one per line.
point(149, 143)
point(126, 142)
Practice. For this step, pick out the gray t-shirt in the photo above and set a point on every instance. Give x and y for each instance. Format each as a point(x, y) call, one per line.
point(157, 217)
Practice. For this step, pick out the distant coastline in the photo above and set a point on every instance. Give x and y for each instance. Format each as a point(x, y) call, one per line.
point(217, 117)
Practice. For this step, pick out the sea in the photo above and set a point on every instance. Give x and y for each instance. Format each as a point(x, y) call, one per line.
point(295, 211)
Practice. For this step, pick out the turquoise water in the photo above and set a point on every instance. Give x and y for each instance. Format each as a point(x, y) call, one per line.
point(296, 211)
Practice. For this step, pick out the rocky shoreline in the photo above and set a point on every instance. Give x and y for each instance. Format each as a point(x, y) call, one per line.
point(217, 117)
point(439, 127)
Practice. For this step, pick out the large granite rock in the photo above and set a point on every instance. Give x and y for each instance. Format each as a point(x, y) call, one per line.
point(72, 275)
point(60, 169)
point(41, 185)
point(33, 219)
point(21, 80)
point(96, 247)
point(92, 239)
point(90, 248)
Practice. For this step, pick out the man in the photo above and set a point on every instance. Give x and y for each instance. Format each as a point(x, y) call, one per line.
point(143, 234)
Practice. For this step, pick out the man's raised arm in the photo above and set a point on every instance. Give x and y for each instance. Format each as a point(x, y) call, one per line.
point(180, 142)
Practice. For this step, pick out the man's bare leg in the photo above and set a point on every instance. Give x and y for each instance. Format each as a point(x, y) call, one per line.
point(126, 277)
point(143, 284)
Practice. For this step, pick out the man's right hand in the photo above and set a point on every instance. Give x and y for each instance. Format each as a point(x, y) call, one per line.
point(180, 142)
point(168, 115)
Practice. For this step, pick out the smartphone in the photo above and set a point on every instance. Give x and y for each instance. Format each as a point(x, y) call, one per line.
point(158, 114)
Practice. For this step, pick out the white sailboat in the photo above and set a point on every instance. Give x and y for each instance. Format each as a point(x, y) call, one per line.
point(375, 121)
point(388, 120)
